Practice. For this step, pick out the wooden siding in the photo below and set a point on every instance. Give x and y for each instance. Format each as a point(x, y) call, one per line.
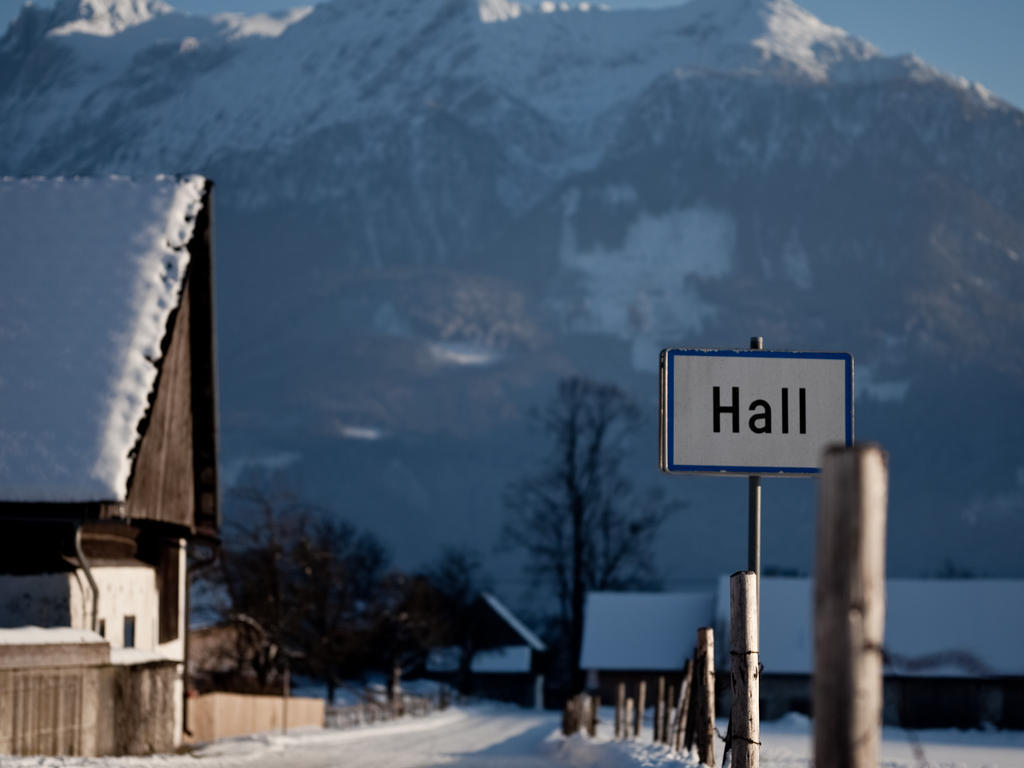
point(204, 373)
point(167, 575)
point(162, 485)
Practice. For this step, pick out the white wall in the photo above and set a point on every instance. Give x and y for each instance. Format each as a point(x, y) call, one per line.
point(124, 590)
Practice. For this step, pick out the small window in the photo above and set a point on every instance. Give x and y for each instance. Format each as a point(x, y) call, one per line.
point(129, 631)
point(102, 629)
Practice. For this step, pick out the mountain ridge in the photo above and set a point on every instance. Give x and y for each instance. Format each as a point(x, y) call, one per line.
point(425, 218)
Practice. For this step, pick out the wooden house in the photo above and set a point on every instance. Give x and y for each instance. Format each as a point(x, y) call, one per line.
point(108, 427)
point(634, 636)
point(510, 662)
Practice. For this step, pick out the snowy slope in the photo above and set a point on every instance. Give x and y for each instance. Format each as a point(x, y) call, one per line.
point(345, 61)
point(429, 211)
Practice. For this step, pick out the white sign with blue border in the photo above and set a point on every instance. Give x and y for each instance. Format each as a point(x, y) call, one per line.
point(753, 412)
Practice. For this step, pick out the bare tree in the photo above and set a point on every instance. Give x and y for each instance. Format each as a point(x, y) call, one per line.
point(579, 520)
point(298, 585)
point(458, 577)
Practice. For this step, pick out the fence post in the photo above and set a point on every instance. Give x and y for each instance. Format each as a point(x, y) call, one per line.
point(641, 707)
point(659, 708)
point(744, 658)
point(705, 725)
point(691, 722)
point(682, 708)
point(849, 606)
point(667, 722)
point(620, 711)
point(629, 716)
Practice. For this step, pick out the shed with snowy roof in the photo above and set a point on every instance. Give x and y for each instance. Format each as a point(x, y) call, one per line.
point(634, 636)
point(108, 440)
point(506, 659)
point(952, 655)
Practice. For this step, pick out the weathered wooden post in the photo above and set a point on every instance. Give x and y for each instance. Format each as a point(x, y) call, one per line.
point(629, 716)
point(659, 709)
point(667, 723)
point(691, 722)
point(745, 733)
point(682, 708)
point(641, 707)
point(705, 725)
point(849, 607)
point(595, 705)
point(620, 711)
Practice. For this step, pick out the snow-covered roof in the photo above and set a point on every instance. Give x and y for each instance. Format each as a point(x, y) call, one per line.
point(48, 636)
point(521, 629)
point(91, 271)
point(642, 630)
point(933, 627)
point(508, 659)
point(129, 657)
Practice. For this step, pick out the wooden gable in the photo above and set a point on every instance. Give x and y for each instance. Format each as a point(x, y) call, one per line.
point(174, 475)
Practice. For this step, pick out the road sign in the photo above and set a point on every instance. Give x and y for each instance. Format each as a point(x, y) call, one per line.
point(753, 412)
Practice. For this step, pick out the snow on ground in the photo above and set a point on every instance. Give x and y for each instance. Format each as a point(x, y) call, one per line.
point(499, 736)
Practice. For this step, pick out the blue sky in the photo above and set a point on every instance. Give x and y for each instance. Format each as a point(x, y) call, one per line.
point(978, 39)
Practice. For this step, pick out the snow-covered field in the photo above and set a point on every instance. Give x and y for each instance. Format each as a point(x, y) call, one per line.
point(497, 736)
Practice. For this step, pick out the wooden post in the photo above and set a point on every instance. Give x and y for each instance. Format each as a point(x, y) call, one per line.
point(745, 728)
point(849, 607)
point(667, 722)
point(641, 707)
point(705, 725)
point(629, 715)
point(595, 704)
point(691, 722)
point(682, 707)
point(659, 709)
point(620, 711)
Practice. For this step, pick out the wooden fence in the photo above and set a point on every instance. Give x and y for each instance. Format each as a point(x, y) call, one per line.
point(374, 709)
point(682, 721)
point(87, 710)
point(220, 715)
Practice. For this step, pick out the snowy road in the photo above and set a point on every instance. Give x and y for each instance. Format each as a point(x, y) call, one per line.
point(497, 736)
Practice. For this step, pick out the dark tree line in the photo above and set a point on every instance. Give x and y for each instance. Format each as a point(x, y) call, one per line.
point(304, 590)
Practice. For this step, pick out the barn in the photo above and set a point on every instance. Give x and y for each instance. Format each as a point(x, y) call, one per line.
point(634, 636)
point(108, 455)
point(951, 658)
point(509, 663)
point(950, 653)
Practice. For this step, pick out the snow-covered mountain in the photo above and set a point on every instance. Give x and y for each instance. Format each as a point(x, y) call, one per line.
point(429, 211)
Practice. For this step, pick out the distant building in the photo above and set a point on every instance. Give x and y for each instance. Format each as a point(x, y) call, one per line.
point(510, 664)
point(950, 647)
point(634, 636)
point(952, 658)
point(108, 440)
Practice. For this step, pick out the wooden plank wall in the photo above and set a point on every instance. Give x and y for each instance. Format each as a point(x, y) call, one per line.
point(220, 715)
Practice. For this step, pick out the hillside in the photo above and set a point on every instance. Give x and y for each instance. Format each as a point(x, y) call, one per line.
point(428, 212)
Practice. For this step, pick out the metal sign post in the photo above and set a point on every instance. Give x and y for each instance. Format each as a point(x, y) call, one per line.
point(752, 412)
point(754, 520)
